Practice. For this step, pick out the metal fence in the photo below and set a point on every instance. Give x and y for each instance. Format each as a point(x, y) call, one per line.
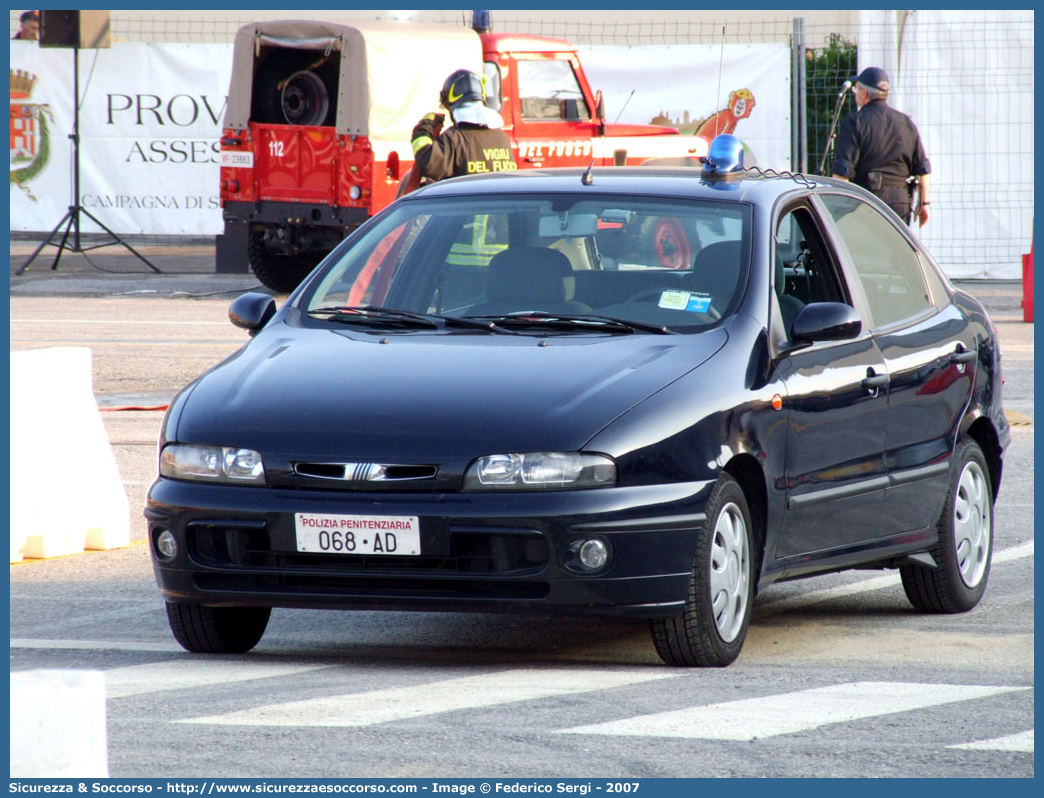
point(986, 179)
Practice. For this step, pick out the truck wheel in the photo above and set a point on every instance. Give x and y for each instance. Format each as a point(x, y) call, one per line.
point(668, 240)
point(281, 273)
point(217, 630)
point(965, 548)
point(289, 89)
point(713, 627)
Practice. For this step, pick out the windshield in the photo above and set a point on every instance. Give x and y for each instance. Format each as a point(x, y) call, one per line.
point(676, 265)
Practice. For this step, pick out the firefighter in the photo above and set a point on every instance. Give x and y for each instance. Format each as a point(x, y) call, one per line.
point(474, 145)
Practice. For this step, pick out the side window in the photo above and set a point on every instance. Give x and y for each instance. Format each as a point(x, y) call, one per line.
point(888, 266)
point(549, 90)
point(804, 268)
point(936, 284)
point(494, 92)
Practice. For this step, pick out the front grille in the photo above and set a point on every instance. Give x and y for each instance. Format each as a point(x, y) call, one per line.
point(365, 472)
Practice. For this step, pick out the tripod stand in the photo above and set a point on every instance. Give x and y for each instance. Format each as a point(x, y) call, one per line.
point(71, 220)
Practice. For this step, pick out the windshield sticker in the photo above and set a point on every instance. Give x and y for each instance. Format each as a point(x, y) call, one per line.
point(685, 300)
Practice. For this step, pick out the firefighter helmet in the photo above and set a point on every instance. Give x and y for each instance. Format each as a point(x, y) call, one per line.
point(460, 87)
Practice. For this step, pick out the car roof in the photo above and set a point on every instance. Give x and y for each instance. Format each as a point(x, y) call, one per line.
point(674, 182)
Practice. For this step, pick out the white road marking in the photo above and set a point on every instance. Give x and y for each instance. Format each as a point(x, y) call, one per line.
point(769, 716)
point(877, 583)
point(1020, 742)
point(186, 674)
point(430, 698)
point(95, 645)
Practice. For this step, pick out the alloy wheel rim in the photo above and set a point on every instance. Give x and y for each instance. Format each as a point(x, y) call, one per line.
point(729, 572)
point(971, 524)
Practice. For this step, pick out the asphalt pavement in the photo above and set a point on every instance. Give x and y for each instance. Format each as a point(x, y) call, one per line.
point(113, 269)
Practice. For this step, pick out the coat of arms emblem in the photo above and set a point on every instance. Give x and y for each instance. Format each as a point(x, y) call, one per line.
point(30, 147)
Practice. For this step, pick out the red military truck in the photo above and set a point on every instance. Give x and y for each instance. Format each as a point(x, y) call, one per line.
point(317, 130)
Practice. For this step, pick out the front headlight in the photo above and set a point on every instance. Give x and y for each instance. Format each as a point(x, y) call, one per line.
point(540, 471)
point(212, 464)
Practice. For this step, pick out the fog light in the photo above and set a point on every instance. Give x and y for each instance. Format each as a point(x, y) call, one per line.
point(167, 545)
point(593, 554)
point(354, 192)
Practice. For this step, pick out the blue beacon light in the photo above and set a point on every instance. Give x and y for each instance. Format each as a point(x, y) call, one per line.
point(724, 159)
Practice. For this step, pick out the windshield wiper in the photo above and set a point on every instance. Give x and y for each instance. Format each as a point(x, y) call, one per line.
point(368, 314)
point(371, 314)
point(579, 322)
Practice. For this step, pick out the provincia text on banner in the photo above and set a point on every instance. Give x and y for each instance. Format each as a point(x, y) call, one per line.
point(150, 131)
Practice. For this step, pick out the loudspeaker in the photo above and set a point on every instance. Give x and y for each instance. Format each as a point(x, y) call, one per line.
point(83, 29)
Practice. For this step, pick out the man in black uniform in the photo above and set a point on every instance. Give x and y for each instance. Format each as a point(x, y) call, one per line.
point(879, 147)
point(475, 144)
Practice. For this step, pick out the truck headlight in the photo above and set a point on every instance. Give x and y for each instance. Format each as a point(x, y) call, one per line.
point(540, 471)
point(212, 464)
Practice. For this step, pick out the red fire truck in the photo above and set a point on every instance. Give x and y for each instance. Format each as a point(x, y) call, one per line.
point(317, 130)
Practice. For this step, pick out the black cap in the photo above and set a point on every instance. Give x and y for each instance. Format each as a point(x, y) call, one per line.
point(873, 77)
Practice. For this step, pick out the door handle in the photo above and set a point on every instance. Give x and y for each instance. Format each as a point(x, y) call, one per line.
point(874, 381)
point(963, 355)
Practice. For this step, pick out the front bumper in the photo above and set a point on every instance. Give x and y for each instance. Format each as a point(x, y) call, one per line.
point(479, 552)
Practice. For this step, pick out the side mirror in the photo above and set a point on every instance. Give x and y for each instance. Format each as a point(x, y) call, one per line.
point(826, 321)
point(252, 311)
point(600, 112)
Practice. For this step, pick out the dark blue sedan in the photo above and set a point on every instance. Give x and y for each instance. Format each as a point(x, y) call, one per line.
point(642, 392)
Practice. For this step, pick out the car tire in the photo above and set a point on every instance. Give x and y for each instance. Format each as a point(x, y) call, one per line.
point(964, 551)
point(281, 273)
point(284, 78)
point(217, 630)
point(711, 631)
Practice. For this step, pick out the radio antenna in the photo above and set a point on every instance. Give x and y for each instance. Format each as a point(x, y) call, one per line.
point(588, 177)
point(629, 96)
point(721, 61)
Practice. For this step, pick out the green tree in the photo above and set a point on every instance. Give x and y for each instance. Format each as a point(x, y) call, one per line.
point(826, 70)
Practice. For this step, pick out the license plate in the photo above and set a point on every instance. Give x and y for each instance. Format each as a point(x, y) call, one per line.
point(318, 533)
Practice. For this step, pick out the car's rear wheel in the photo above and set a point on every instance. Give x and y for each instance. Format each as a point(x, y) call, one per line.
point(217, 630)
point(713, 627)
point(281, 273)
point(965, 548)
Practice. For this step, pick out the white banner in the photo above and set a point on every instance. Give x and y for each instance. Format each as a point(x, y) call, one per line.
point(150, 127)
point(974, 108)
point(679, 86)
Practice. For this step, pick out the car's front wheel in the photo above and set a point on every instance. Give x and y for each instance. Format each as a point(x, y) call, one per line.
point(711, 631)
point(217, 630)
point(964, 551)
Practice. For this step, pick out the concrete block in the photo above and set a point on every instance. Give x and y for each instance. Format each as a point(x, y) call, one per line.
point(66, 490)
point(58, 724)
point(17, 545)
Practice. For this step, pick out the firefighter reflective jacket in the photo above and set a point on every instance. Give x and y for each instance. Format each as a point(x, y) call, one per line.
point(462, 150)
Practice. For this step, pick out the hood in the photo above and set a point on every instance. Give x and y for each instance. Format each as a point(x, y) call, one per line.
point(320, 392)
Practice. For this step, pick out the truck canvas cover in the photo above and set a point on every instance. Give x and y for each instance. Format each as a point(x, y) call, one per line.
point(390, 75)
